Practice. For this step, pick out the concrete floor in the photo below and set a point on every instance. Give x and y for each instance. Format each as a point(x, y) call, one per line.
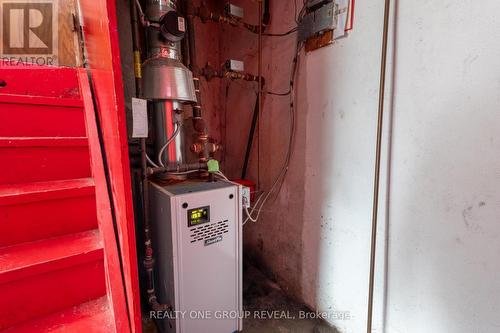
point(264, 298)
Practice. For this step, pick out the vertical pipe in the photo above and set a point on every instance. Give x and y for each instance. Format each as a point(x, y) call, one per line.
point(191, 38)
point(198, 122)
point(186, 60)
point(260, 82)
point(266, 17)
point(376, 185)
point(138, 93)
point(197, 112)
point(250, 139)
point(149, 259)
point(136, 48)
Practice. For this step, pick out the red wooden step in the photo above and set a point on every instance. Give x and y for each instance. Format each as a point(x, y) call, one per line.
point(34, 211)
point(91, 317)
point(22, 193)
point(40, 81)
point(41, 116)
point(36, 159)
point(43, 277)
point(23, 260)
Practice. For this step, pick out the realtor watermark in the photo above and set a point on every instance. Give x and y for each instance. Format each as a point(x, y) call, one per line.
point(259, 314)
point(28, 32)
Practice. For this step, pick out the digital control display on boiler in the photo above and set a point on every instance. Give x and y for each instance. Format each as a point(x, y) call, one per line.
point(198, 216)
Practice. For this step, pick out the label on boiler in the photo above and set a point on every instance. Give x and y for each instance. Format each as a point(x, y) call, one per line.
point(213, 240)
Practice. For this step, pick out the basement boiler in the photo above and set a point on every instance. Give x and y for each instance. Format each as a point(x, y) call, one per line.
point(198, 236)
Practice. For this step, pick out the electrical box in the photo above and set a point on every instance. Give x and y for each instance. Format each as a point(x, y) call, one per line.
point(319, 18)
point(197, 228)
point(325, 21)
point(235, 65)
point(234, 11)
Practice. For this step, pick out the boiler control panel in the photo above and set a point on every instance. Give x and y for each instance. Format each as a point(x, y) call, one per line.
point(197, 216)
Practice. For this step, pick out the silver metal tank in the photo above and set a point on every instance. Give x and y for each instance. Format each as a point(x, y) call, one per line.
point(166, 81)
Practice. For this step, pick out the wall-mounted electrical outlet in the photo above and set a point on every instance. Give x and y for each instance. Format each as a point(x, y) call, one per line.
point(245, 195)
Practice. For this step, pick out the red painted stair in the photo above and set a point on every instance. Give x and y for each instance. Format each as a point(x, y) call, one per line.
point(91, 317)
point(43, 159)
point(59, 264)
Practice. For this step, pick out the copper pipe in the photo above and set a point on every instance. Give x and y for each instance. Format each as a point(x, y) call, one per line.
point(205, 15)
point(376, 185)
point(209, 73)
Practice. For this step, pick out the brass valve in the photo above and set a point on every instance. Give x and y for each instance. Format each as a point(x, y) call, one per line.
point(205, 148)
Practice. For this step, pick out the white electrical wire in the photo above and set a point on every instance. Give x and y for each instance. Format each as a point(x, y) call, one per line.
point(220, 174)
point(169, 141)
point(249, 216)
point(278, 182)
point(151, 161)
point(281, 176)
